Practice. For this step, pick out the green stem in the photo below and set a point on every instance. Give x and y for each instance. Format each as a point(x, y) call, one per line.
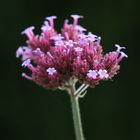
point(76, 115)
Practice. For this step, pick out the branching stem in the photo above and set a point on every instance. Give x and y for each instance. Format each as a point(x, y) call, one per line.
point(76, 114)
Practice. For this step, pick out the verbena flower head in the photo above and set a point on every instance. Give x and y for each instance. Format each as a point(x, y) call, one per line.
point(55, 59)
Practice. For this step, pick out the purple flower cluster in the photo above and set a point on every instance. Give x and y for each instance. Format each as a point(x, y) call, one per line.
point(55, 59)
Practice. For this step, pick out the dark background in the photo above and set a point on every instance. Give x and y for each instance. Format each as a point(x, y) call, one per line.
point(110, 111)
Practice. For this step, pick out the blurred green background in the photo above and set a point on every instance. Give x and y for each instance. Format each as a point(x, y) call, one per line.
point(110, 111)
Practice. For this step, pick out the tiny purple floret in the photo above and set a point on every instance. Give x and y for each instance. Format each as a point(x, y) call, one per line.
point(78, 49)
point(119, 48)
point(92, 74)
point(26, 63)
point(103, 74)
point(91, 36)
point(51, 71)
point(69, 43)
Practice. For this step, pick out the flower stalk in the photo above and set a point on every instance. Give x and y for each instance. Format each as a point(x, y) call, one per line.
point(76, 114)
